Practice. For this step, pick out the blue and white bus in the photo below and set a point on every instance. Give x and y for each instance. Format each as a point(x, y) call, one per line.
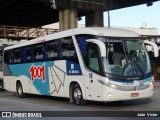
point(94, 63)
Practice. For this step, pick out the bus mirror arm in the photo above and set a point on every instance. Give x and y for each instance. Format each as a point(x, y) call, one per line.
point(155, 47)
point(100, 44)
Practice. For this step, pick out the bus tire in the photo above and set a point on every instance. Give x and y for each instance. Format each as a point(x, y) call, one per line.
point(20, 90)
point(77, 95)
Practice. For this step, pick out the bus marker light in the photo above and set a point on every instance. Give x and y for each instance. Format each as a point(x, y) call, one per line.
point(43, 40)
point(134, 94)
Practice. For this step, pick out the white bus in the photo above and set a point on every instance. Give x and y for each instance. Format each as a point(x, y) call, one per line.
point(94, 63)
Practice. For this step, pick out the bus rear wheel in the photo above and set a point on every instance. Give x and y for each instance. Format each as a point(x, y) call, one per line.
point(77, 95)
point(20, 90)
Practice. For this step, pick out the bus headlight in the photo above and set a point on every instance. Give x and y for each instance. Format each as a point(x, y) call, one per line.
point(113, 85)
point(109, 84)
point(149, 83)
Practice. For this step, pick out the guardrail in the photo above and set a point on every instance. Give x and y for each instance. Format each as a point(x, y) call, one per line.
point(16, 32)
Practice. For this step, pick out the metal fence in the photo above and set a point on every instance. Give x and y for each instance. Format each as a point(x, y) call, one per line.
point(16, 32)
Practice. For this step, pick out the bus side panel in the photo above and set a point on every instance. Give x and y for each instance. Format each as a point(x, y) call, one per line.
point(10, 84)
point(8, 79)
point(45, 78)
point(61, 74)
point(32, 76)
point(57, 73)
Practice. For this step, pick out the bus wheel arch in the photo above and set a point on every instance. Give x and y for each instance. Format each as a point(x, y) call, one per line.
point(19, 89)
point(76, 94)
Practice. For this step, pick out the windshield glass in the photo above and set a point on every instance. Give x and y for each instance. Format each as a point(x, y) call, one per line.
point(126, 57)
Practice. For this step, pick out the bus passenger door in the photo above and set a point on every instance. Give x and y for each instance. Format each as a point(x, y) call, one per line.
point(94, 72)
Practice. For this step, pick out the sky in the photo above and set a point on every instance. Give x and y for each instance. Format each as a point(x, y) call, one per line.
point(134, 16)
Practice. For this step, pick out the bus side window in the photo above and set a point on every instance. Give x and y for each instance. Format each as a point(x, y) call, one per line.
point(24, 50)
point(26, 54)
point(52, 50)
point(68, 51)
point(8, 57)
point(38, 53)
point(93, 59)
point(18, 56)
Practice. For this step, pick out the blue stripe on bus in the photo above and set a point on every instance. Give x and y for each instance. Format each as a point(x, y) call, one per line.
point(24, 69)
point(34, 72)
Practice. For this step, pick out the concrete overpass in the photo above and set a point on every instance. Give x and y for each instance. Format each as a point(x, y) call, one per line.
point(36, 13)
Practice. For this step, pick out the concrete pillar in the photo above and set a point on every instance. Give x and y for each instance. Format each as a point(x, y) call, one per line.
point(68, 19)
point(94, 18)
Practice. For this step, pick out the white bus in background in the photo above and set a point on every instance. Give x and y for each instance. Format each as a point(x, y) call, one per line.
point(4, 43)
point(81, 64)
point(152, 46)
point(1, 77)
point(1, 72)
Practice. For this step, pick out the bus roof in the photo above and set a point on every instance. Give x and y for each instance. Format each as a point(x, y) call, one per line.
point(100, 31)
point(104, 31)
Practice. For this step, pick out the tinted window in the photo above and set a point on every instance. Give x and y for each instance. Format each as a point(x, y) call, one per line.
point(17, 56)
point(26, 54)
point(52, 50)
point(67, 51)
point(38, 52)
point(93, 59)
point(8, 57)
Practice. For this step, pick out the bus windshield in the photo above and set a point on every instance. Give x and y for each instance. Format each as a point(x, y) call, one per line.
point(126, 57)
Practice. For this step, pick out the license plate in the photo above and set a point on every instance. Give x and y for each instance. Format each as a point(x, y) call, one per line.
point(134, 94)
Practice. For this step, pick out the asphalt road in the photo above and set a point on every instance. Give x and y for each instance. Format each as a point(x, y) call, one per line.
point(9, 101)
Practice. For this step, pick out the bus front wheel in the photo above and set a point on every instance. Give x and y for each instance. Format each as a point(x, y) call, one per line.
point(77, 95)
point(20, 90)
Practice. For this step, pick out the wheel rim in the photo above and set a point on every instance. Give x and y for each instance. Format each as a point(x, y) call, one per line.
point(20, 90)
point(77, 94)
